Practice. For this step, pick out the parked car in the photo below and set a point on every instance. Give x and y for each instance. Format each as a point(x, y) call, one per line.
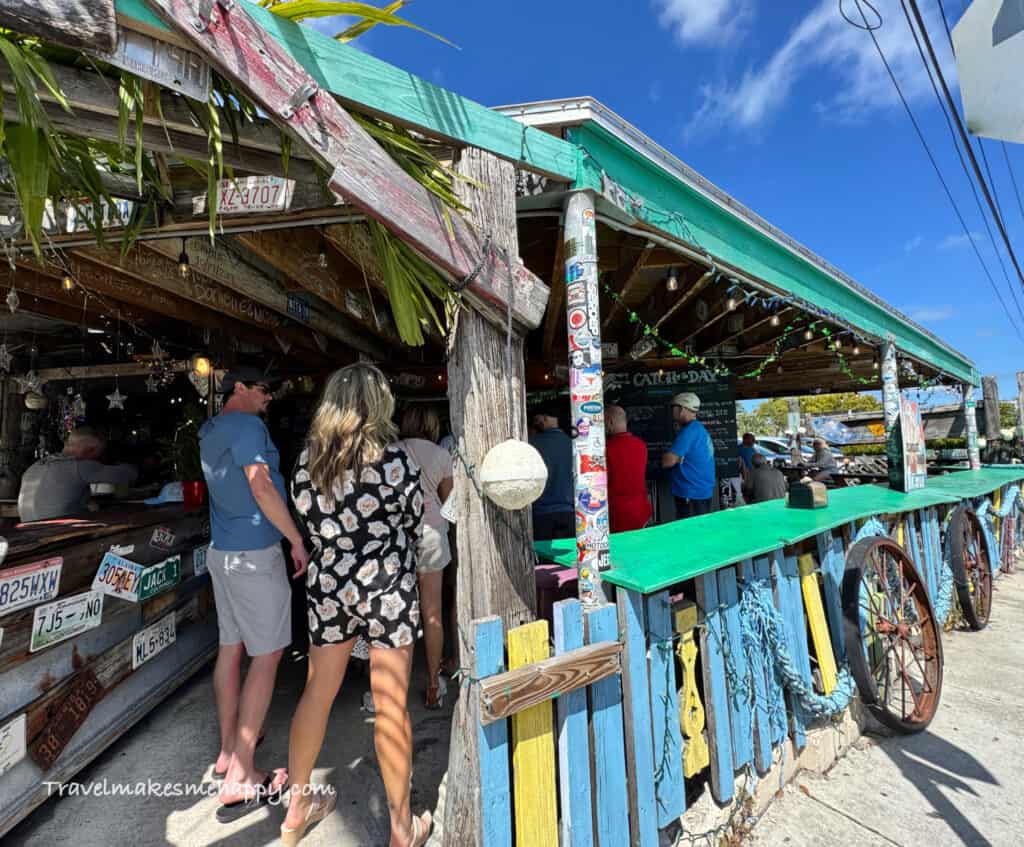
point(773, 457)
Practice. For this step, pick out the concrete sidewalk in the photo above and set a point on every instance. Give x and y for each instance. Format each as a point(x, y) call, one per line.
point(959, 782)
point(176, 743)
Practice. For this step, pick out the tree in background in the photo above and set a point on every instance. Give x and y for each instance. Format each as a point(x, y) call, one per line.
point(769, 417)
point(1007, 415)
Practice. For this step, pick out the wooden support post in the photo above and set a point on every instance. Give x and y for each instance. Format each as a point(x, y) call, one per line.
point(793, 427)
point(495, 574)
point(583, 315)
point(891, 413)
point(990, 397)
point(78, 24)
point(971, 427)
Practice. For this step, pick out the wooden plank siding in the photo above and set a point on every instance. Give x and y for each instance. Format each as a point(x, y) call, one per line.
point(759, 669)
point(787, 593)
point(740, 713)
point(833, 565)
point(716, 689)
point(493, 756)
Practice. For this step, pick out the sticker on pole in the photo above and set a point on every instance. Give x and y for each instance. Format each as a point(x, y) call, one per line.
point(65, 618)
point(199, 561)
point(27, 585)
point(153, 640)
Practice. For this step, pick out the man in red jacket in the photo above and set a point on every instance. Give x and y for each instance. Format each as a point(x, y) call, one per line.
point(628, 505)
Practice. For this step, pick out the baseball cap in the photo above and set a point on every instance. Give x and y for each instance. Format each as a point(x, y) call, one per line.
point(688, 400)
point(247, 375)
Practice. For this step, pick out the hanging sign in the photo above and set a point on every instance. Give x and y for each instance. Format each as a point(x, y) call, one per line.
point(65, 618)
point(12, 743)
point(158, 578)
point(199, 561)
point(912, 467)
point(84, 694)
point(118, 577)
point(162, 62)
point(152, 640)
point(27, 585)
point(162, 538)
point(248, 195)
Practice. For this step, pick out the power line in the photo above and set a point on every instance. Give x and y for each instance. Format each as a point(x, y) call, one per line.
point(870, 29)
point(963, 135)
point(963, 164)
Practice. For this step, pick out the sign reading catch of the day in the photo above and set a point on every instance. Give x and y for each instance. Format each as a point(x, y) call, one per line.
point(158, 578)
point(65, 618)
point(118, 577)
point(152, 640)
point(27, 585)
point(12, 743)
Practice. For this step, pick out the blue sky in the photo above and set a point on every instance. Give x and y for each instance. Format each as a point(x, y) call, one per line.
point(782, 104)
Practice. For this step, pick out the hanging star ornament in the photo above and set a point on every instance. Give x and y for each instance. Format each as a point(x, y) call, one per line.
point(151, 384)
point(13, 301)
point(116, 399)
point(5, 359)
point(30, 383)
point(158, 351)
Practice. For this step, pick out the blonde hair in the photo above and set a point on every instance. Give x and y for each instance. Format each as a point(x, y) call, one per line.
point(420, 421)
point(352, 424)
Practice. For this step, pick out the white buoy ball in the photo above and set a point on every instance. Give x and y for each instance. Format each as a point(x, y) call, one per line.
point(513, 474)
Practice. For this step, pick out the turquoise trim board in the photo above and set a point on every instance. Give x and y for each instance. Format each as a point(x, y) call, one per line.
point(688, 215)
point(371, 85)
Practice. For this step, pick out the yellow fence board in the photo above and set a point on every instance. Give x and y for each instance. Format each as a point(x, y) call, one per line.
point(818, 622)
point(533, 748)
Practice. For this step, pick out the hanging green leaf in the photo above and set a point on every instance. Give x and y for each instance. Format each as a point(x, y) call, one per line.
point(28, 156)
point(364, 26)
point(298, 10)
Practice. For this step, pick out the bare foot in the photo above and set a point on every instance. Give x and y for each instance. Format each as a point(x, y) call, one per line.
point(233, 790)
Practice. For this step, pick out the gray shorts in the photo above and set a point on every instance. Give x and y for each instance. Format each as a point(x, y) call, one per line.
point(253, 598)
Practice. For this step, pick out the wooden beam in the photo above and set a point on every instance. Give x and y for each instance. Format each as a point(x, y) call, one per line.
point(691, 292)
point(363, 173)
point(504, 694)
point(554, 318)
point(225, 269)
point(745, 330)
point(632, 277)
point(78, 24)
point(125, 369)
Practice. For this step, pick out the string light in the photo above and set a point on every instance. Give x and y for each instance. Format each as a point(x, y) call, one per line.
point(730, 304)
point(874, 364)
point(856, 349)
point(775, 320)
point(183, 262)
point(67, 283)
point(808, 335)
point(672, 283)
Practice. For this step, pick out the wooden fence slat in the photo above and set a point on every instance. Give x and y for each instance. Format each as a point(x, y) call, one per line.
point(611, 809)
point(668, 734)
point(762, 734)
point(833, 566)
point(818, 625)
point(533, 748)
point(716, 696)
point(577, 824)
point(932, 574)
point(495, 797)
point(916, 554)
point(636, 710)
point(740, 717)
point(787, 586)
point(776, 717)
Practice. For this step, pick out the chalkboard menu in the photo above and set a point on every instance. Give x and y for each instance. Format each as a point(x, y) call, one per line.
point(647, 395)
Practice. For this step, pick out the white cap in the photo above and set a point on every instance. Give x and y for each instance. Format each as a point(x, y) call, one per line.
point(688, 400)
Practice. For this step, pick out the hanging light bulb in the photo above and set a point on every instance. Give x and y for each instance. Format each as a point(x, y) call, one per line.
point(730, 304)
point(775, 321)
point(67, 283)
point(874, 364)
point(778, 370)
point(856, 349)
point(672, 283)
point(201, 365)
point(183, 263)
point(837, 343)
point(808, 335)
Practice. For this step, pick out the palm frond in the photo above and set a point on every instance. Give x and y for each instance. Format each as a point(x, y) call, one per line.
point(298, 10)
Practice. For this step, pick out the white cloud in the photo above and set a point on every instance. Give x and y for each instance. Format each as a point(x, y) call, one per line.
point(930, 314)
point(955, 242)
point(710, 22)
point(913, 244)
point(985, 332)
point(823, 42)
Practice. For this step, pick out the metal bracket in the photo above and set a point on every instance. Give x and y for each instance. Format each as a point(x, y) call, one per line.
point(304, 93)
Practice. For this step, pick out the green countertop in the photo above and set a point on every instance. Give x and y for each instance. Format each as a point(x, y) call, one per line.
point(649, 560)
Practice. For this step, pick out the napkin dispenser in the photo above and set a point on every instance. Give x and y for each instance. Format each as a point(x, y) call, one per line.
point(807, 495)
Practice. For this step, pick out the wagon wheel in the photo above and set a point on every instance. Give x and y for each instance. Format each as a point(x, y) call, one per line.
point(892, 639)
point(972, 570)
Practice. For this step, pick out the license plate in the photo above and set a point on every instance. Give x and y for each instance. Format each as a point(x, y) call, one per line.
point(163, 538)
point(12, 743)
point(199, 561)
point(65, 619)
point(158, 578)
point(161, 62)
point(152, 640)
point(118, 577)
point(27, 585)
point(84, 693)
point(249, 194)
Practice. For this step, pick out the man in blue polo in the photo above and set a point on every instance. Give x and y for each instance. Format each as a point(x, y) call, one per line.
point(690, 459)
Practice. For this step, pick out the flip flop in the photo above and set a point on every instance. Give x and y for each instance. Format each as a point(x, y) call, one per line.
point(219, 775)
point(230, 812)
point(419, 838)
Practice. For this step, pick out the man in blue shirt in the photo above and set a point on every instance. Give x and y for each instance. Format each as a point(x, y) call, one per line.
point(553, 513)
point(747, 452)
point(691, 459)
point(248, 518)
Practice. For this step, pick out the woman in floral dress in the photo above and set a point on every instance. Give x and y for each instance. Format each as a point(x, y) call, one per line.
point(361, 503)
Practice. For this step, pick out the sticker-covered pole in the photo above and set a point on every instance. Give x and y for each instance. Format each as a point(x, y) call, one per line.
point(971, 428)
point(586, 385)
point(1020, 404)
point(891, 413)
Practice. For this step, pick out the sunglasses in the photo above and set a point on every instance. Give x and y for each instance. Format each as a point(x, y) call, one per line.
point(260, 386)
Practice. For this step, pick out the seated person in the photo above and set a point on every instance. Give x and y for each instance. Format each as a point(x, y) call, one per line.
point(823, 460)
point(58, 485)
point(764, 482)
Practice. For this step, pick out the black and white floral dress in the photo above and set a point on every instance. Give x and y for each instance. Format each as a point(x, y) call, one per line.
point(362, 568)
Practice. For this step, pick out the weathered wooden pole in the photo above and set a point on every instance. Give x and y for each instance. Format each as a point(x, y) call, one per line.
point(1020, 405)
point(586, 385)
point(495, 558)
point(891, 413)
point(793, 426)
point(990, 397)
point(971, 427)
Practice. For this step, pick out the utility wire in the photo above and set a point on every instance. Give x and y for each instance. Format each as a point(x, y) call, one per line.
point(960, 156)
point(1006, 153)
point(870, 29)
point(966, 140)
